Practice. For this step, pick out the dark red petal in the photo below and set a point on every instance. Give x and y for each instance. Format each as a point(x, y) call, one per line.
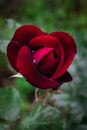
point(46, 60)
point(66, 40)
point(28, 70)
point(70, 50)
point(26, 32)
point(41, 53)
point(12, 52)
point(48, 41)
point(65, 66)
point(66, 77)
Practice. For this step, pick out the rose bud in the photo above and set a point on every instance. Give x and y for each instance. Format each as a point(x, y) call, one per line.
point(42, 59)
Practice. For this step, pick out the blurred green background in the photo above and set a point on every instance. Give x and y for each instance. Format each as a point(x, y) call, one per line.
point(50, 15)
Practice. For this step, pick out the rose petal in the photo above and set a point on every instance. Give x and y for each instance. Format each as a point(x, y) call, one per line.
point(48, 64)
point(41, 53)
point(70, 50)
point(12, 52)
point(67, 41)
point(46, 60)
point(66, 77)
point(26, 32)
point(48, 41)
point(28, 70)
point(63, 69)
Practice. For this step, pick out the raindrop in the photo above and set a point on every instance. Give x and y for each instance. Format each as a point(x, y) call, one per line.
point(34, 60)
point(33, 51)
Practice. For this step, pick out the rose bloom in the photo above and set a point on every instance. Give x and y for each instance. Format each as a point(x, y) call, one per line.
point(42, 59)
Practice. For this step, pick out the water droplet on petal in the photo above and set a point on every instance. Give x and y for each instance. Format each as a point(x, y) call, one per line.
point(33, 51)
point(34, 60)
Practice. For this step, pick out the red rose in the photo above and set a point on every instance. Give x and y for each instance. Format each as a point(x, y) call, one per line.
point(43, 59)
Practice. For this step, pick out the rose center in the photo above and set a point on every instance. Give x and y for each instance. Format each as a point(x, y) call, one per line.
point(46, 60)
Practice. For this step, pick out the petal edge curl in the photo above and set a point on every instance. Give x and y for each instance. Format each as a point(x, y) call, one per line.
point(12, 52)
point(26, 32)
point(70, 50)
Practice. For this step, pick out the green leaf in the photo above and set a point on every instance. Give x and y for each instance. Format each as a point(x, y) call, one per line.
point(42, 118)
point(3, 127)
point(10, 104)
point(25, 89)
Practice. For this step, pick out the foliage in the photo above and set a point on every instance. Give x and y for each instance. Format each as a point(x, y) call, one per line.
point(9, 104)
point(3, 127)
point(63, 111)
point(42, 117)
